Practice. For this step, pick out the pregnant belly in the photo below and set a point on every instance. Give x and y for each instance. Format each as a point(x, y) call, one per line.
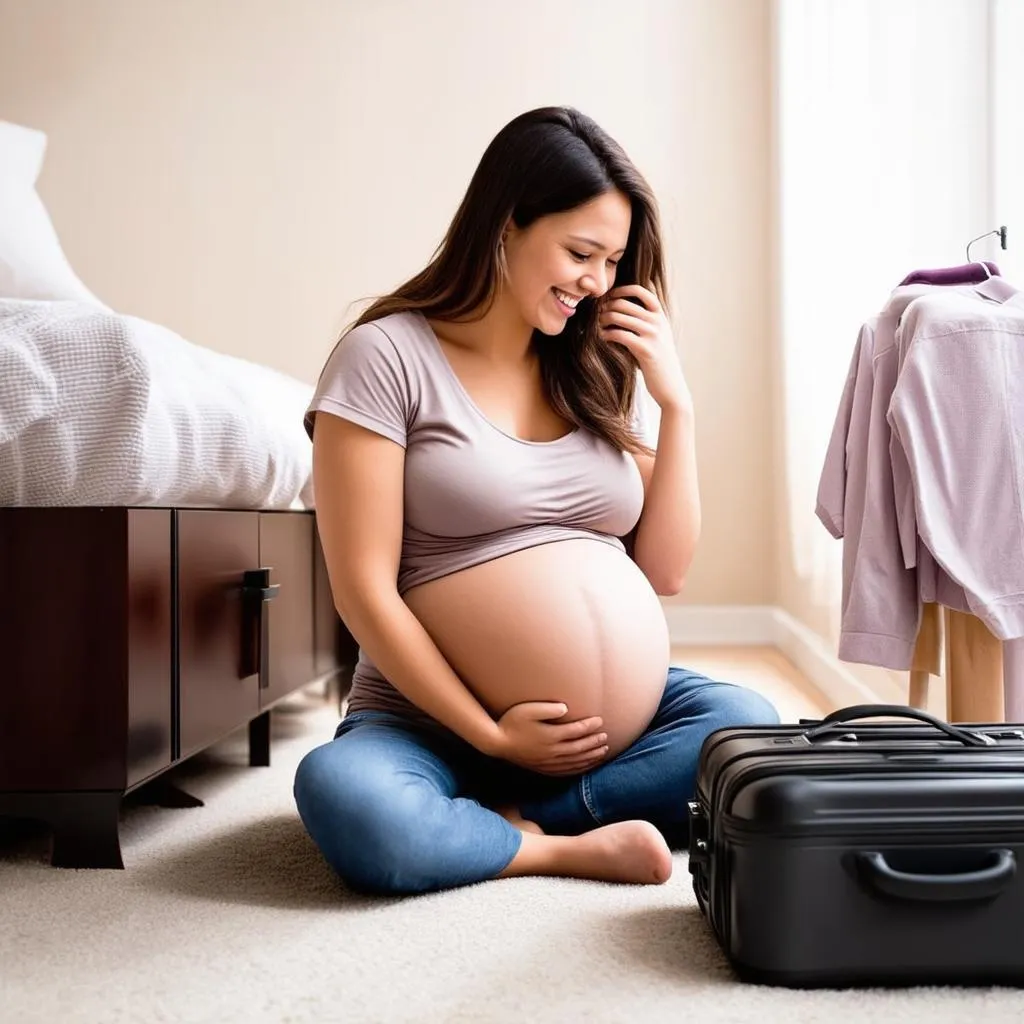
point(574, 621)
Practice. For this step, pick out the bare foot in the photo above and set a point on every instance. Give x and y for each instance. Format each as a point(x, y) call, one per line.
point(629, 851)
point(513, 817)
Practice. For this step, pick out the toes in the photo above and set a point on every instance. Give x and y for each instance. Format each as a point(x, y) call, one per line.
point(663, 873)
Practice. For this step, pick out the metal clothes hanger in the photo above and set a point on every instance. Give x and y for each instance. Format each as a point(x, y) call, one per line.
point(1001, 232)
point(973, 272)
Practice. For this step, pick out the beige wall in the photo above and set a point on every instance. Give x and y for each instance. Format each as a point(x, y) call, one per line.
point(244, 170)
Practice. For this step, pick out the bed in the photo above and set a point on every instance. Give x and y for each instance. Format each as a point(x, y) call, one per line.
point(161, 579)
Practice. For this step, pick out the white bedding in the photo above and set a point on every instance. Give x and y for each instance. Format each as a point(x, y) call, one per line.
point(97, 408)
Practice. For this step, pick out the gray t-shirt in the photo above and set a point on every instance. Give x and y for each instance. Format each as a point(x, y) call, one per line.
point(472, 491)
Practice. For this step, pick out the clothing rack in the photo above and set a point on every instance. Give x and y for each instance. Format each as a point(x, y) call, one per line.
point(984, 676)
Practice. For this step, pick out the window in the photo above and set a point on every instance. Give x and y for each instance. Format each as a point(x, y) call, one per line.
point(1008, 135)
point(888, 136)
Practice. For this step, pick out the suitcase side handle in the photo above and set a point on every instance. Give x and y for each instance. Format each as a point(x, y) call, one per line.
point(985, 883)
point(829, 722)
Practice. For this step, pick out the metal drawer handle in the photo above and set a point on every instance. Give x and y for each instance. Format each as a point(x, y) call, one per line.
point(256, 585)
point(257, 590)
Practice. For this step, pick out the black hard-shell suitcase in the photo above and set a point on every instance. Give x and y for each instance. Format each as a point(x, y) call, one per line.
point(884, 853)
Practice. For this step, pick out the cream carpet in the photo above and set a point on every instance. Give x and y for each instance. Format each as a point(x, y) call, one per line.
point(226, 913)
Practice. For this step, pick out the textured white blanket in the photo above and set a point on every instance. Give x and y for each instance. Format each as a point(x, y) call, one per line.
point(98, 408)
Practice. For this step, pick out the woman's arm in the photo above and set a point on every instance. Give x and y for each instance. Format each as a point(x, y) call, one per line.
point(358, 479)
point(358, 483)
point(666, 536)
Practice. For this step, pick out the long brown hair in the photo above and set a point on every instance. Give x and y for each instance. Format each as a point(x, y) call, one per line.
point(546, 161)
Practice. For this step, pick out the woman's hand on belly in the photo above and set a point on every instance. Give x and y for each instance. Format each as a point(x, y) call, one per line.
point(573, 623)
point(533, 737)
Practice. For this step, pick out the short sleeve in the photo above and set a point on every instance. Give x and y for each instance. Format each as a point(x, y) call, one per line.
point(364, 381)
point(645, 419)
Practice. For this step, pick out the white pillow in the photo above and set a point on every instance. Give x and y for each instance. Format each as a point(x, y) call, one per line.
point(32, 262)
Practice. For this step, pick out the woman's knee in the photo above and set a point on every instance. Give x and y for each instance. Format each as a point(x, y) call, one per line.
point(719, 705)
point(733, 706)
point(323, 782)
point(363, 823)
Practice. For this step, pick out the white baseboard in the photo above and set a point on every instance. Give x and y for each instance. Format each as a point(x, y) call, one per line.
point(722, 625)
point(768, 626)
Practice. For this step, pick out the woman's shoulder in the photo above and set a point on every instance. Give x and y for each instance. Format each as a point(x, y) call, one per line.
point(395, 327)
point(372, 375)
point(397, 339)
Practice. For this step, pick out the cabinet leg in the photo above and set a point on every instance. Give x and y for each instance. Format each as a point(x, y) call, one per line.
point(161, 793)
point(259, 741)
point(84, 825)
point(85, 830)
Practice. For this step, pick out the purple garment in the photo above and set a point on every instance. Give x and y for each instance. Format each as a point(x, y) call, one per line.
point(966, 273)
point(856, 501)
point(933, 584)
point(880, 610)
point(957, 413)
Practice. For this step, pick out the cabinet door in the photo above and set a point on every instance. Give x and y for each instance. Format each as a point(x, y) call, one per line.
point(63, 637)
point(286, 549)
point(149, 642)
point(218, 686)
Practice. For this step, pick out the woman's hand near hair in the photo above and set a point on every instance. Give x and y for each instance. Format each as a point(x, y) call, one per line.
point(632, 316)
point(669, 527)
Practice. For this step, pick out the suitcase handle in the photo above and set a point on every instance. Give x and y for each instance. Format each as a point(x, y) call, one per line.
point(969, 885)
point(970, 739)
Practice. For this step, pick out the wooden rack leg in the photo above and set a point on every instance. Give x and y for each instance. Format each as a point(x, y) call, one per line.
point(1013, 680)
point(927, 652)
point(974, 670)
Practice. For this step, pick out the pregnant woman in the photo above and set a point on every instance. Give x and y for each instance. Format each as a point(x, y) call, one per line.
point(498, 519)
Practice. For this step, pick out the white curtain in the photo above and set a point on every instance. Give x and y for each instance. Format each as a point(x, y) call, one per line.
point(884, 136)
point(1007, 65)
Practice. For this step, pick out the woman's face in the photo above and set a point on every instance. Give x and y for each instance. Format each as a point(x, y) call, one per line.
point(565, 257)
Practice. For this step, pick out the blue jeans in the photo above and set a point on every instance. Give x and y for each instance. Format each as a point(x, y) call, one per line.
point(400, 806)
